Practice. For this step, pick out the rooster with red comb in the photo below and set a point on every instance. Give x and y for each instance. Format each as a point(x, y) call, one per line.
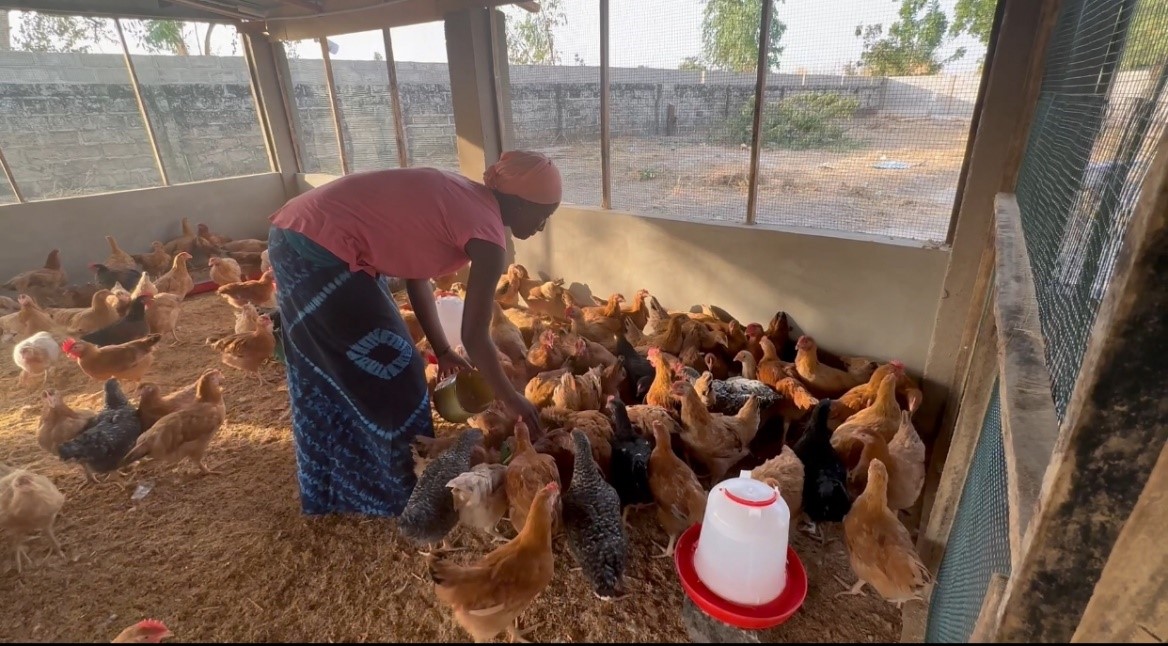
point(147, 631)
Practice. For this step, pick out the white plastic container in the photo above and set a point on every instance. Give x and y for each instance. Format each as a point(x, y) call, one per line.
point(450, 318)
point(742, 552)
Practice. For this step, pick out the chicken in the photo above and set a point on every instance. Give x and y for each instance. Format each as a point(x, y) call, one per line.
point(147, 631)
point(246, 319)
point(112, 433)
point(153, 406)
point(771, 369)
point(260, 292)
point(130, 327)
point(186, 432)
point(527, 473)
point(609, 317)
point(681, 500)
point(162, 315)
point(35, 356)
point(480, 497)
point(637, 312)
point(29, 502)
point(48, 277)
point(542, 387)
point(127, 361)
point(8, 306)
point(249, 350)
point(30, 320)
point(825, 492)
point(659, 393)
point(59, 423)
point(547, 355)
point(556, 444)
point(506, 336)
point(670, 339)
point(643, 417)
point(629, 473)
point(107, 277)
point(785, 472)
point(589, 354)
point(636, 367)
point(546, 299)
point(512, 283)
point(778, 332)
point(578, 392)
point(907, 452)
point(178, 280)
point(265, 264)
point(248, 244)
point(118, 259)
point(224, 270)
point(717, 441)
point(882, 418)
point(185, 242)
point(796, 401)
point(728, 397)
point(144, 286)
point(215, 239)
point(598, 331)
point(156, 261)
point(430, 513)
point(822, 380)
point(488, 595)
point(592, 517)
point(880, 549)
point(717, 366)
point(592, 423)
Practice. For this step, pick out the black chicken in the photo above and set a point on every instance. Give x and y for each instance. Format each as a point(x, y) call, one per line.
point(107, 277)
point(629, 472)
point(592, 517)
point(430, 514)
point(108, 437)
point(825, 491)
point(128, 328)
point(637, 368)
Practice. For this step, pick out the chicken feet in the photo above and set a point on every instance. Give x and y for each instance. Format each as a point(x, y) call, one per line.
point(667, 551)
point(518, 635)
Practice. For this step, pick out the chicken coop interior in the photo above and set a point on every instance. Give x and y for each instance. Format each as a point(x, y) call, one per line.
point(994, 232)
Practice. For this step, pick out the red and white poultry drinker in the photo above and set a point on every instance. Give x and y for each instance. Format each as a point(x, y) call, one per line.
point(741, 555)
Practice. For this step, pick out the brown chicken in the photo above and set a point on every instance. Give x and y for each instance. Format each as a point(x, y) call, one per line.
point(507, 336)
point(246, 319)
point(147, 631)
point(668, 340)
point(796, 402)
point(125, 362)
point(84, 320)
point(784, 471)
point(660, 393)
point(579, 392)
point(224, 270)
point(249, 351)
point(772, 369)
point(178, 280)
point(250, 245)
point(681, 500)
point(637, 312)
point(594, 424)
point(609, 316)
point(153, 405)
point(144, 286)
point(548, 355)
point(59, 423)
point(859, 397)
point(821, 380)
point(511, 285)
point(488, 596)
point(592, 330)
point(49, 277)
point(260, 292)
point(908, 454)
point(881, 418)
point(162, 315)
point(185, 433)
point(546, 299)
point(185, 242)
point(589, 354)
point(213, 238)
point(30, 320)
point(879, 547)
point(643, 416)
point(156, 262)
point(118, 259)
point(542, 387)
point(527, 473)
point(717, 441)
point(29, 502)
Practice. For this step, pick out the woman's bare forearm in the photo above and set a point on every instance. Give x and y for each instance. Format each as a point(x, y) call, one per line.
point(422, 299)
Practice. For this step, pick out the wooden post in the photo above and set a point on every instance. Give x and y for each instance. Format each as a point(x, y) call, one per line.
point(605, 109)
point(334, 104)
point(141, 104)
point(472, 90)
point(264, 59)
point(11, 178)
point(399, 125)
point(283, 75)
point(764, 37)
point(258, 102)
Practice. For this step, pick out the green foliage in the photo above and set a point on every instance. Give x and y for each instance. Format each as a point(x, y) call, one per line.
point(1146, 36)
point(974, 17)
point(531, 39)
point(799, 122)
point(164, 36)
point(691, 64)
point(911, 44)
point(39, 32)
point(730, 31)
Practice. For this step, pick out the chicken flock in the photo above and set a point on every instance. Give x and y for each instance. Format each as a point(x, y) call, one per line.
point(640, 408)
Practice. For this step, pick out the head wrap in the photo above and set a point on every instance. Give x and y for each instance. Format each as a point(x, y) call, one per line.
point(527, 175)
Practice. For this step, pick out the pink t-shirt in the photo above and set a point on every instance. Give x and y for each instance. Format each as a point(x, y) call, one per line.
point(404, 222)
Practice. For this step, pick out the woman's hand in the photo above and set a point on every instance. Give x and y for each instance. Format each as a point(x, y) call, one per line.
point(449, 363)
point(521, 407)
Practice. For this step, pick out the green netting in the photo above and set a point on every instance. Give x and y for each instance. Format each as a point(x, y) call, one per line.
point(1102, 107)
point(979, 542)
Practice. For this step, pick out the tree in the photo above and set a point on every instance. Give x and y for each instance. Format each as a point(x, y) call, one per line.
point(164, 36)
point(40, 32)
point(974, 17)
point(730, 31)
point(910, 47)
point(531, 39)
point(1145, 37)
point(691, 64)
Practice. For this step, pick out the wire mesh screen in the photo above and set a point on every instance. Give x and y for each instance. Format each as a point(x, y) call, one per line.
point(362, 79)
point(315, 130)
point(427, 106)
point(198, 94)
point(979, 542)
point(555, 91)
point(1103, 106)
point(71, 125)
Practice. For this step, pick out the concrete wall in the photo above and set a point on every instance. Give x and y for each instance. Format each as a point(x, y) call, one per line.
point(853, 296)
point(238, 207)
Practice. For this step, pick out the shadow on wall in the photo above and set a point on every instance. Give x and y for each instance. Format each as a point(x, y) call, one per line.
point(855, 297)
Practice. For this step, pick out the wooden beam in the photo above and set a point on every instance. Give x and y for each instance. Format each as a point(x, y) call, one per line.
point(472, 91)
point(605, 109)
point(258, 103)
point(142, 104)
point(1114, 430)
point(359, 16)
point(399, 117)
point(983, 628)
point(263, 59)
point(11, 178)
point(764, 39)
point(288, 97)
point(174, 10)
point(1048, 18)
point(334, 105)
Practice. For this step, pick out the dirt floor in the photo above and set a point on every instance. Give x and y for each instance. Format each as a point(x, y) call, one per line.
point(837, 190)
point(229, 557)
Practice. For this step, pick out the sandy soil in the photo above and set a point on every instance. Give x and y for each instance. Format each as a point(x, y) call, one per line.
point(230, 557)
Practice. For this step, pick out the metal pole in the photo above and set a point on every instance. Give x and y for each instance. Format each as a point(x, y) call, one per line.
point(261, 114)
point(11, 178)
point(399, 124)
point(141, 103)
point(605, 133)
point(334, 104)
point(768, 11)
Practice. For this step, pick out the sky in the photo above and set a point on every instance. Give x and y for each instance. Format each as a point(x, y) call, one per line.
point(820, 35)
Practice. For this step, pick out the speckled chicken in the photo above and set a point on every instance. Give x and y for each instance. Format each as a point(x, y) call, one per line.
point(112, 433)
point(430, 514)
point(729, 396)
point(592, 516)
point(825, 491)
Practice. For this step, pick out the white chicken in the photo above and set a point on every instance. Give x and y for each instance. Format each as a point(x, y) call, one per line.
point(35, 355)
